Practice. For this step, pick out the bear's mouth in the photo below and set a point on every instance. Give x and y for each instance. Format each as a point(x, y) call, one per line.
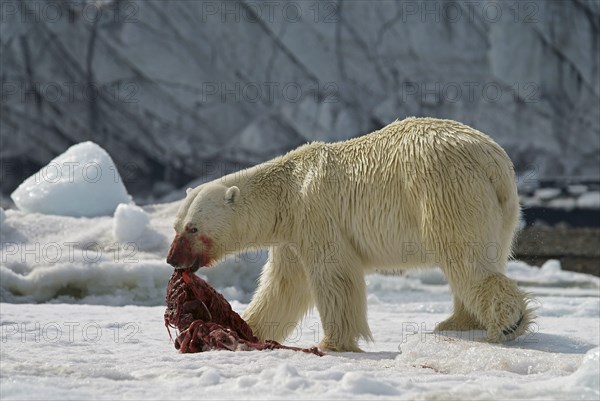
point(195, 265)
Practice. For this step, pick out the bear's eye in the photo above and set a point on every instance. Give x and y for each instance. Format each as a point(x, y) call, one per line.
point(194, 230)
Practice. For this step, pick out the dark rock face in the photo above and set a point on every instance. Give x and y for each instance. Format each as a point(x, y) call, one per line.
point(575, 248)
point(179, 90)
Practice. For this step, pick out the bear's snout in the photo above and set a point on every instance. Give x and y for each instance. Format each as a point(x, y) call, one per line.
point(180, 253)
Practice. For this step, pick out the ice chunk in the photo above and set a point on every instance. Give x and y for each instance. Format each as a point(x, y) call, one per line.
point(563, 203)
point(547, 193)
point(530, 201)
point(577, 189)
point(83, 181)
point(551, 267)
point(590, 200)
point(129, 223)
point(549, 275)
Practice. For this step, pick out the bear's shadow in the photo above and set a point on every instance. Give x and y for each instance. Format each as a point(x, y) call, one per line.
point(534, 341)
point(551, 343)
point(539, 341)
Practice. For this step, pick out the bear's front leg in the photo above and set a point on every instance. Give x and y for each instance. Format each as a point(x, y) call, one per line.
point(282, 297)
point(338, 287)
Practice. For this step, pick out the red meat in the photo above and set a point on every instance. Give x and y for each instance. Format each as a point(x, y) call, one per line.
point(206, 321)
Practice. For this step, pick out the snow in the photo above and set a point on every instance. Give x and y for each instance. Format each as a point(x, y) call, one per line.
point(563, 203)
point(547, 193)
point(47, 258)
point(589, 200)
point(82, 181)
point(101, 352)
point(550, 275)
point(577, 189)
point(129, 223)
point(99, 331)
point(575, 197)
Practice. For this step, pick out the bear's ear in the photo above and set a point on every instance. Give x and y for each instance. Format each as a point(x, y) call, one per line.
point(232, 195)
point(187, 191)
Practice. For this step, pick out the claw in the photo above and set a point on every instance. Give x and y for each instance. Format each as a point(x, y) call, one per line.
point(513, 328)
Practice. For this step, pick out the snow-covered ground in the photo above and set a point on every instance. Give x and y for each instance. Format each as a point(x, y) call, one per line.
point(82, 301)
point(99, 333)
point(104, 352)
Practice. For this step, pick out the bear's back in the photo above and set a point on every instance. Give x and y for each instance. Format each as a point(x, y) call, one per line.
point(401, 175)
point(428, 133)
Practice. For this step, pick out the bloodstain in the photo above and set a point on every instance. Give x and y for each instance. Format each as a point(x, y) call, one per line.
point(206, 321)
point(181, 254)
point(428, 367)
point(205, 259)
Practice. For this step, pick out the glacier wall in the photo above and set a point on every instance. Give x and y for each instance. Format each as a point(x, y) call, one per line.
point(180, 90)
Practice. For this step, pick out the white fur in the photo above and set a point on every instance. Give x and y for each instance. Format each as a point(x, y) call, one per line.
point(419, 192)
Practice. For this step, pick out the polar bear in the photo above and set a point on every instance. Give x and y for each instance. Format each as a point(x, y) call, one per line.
point(420, 192)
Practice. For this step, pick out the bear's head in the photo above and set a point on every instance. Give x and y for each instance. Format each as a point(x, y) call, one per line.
point(203, 226)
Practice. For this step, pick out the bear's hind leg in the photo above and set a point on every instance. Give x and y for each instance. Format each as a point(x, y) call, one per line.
point(282, 297)
point(493, 299)
point(460, 320)
point(502, 307)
